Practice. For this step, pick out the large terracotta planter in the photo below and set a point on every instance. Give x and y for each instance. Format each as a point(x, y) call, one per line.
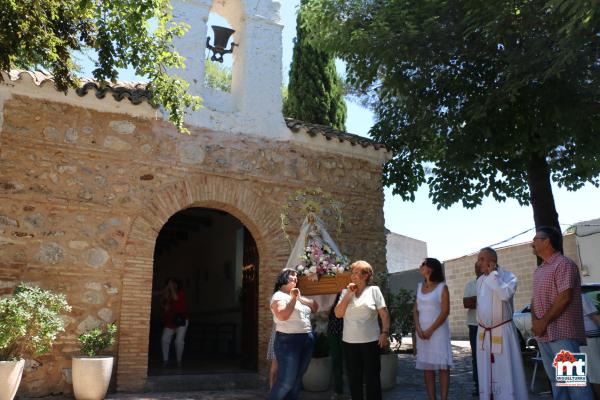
point(10, 377)
point(318, 375)
point(91, 376)
point(389, 370)
point(325, 284)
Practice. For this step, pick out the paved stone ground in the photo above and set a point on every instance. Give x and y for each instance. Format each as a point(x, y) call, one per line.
point(410, 384)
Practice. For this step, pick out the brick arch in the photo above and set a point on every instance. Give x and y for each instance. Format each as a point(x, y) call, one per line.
point(234, 197)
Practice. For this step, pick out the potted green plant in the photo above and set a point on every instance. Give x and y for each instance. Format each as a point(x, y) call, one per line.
point(405, 324)
point(389, 354)
point(30, 320)
point(92, 371)
point(318, 375)
point(389, 366)
point(399, 307)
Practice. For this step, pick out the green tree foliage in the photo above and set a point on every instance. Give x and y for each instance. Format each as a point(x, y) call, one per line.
point(95, 341)
point(217, 76)
point(315, 91)
point(402, 307)
point(284, 93)
point(475, 98)
point(46, 33)
point(30, 320)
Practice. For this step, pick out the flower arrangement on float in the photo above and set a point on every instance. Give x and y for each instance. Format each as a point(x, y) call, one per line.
point(321, 266)
point(321, 260)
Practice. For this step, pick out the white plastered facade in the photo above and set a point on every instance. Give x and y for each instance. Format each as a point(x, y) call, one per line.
point(254, 104)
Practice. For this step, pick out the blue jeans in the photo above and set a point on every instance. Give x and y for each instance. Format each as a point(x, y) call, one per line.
point(293, 352)
point(548, 350)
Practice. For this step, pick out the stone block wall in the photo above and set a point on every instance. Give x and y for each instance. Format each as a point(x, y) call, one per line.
point(84, 193)
point(518, 259)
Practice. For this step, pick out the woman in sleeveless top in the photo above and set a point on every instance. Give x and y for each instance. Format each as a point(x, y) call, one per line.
point(430, 313)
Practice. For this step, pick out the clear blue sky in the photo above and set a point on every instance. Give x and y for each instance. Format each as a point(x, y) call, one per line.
point(457, 231)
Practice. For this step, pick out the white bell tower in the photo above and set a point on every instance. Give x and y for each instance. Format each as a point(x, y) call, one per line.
point(254, 104)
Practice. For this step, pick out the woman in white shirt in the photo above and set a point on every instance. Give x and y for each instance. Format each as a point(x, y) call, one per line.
point(360, 305)
point(294, 340)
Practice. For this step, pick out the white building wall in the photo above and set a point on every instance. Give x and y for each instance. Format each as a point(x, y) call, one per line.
point(254, 105)
point(404, 253)
point(587, 234)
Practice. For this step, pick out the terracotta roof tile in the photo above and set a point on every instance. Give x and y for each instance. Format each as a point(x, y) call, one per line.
point(137, 93)
point(331, 134)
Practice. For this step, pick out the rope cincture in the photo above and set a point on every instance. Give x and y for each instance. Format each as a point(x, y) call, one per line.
point(487, 329)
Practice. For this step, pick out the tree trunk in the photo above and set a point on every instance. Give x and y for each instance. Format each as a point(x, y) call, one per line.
point(540, 189)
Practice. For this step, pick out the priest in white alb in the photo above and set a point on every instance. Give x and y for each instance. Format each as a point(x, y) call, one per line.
point(499, 363)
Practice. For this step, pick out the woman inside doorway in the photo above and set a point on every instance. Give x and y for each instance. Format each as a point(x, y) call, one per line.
point(175, 319)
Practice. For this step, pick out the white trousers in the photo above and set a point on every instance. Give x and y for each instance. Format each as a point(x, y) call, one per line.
point(167, 336)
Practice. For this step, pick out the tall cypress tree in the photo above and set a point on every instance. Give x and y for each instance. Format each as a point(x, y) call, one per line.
point(315, 91)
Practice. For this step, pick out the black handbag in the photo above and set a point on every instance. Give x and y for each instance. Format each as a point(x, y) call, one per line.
point(179, 319)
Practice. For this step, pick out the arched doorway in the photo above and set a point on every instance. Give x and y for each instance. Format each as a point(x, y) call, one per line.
point(215, 259)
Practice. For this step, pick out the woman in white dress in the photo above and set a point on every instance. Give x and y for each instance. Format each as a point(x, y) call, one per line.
point(430, 313)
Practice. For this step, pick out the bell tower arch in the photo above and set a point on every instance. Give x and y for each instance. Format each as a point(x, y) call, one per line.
point(254, 105)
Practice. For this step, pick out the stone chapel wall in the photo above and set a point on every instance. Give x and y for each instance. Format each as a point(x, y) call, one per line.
point(83, 194)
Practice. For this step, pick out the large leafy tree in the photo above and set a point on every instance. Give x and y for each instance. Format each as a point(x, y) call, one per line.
point(475, 98)
point(217, 76)
point(122, 33)
point(315, 92)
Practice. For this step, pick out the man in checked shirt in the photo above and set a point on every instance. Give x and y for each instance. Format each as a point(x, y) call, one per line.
point(556, 310)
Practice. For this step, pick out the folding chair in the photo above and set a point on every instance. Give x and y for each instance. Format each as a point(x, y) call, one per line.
point(531, 345)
